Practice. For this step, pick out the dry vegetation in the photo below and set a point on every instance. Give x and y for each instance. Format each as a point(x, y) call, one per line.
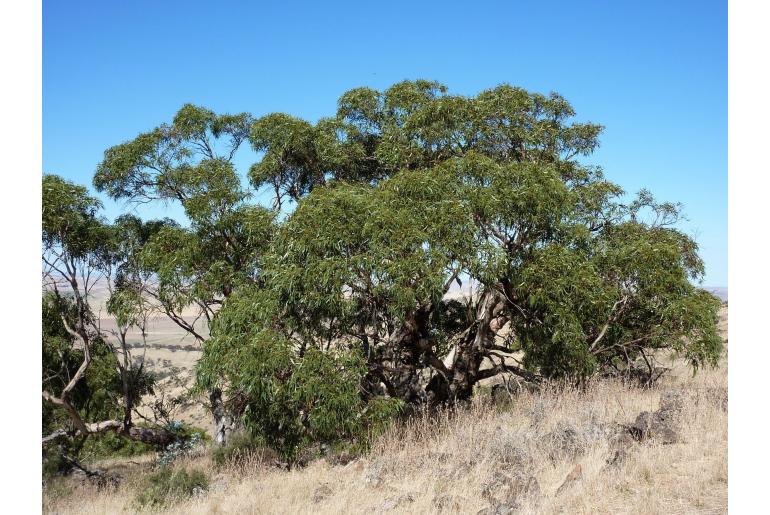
point(485, 457)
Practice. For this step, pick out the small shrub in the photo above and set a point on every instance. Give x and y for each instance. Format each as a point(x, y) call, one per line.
point(168, 486)
point(178, 449)
point(188, 439)
point(185, 431)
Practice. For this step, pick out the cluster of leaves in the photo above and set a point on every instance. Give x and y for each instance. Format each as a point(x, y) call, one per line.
point(169, 485)
point(289, 400)
point(113, 445)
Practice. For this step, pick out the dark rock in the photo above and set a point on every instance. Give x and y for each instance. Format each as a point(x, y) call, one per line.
point(658, 425)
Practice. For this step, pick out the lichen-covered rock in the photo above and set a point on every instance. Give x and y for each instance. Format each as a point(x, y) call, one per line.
point(509, 488)
point(658, 425)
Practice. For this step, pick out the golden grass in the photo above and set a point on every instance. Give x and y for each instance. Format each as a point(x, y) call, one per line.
point(441, 465)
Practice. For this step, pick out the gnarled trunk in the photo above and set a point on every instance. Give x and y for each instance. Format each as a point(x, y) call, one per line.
point(412, 372)
point(470, 350)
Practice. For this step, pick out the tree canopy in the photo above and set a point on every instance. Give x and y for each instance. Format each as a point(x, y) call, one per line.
point(329, 308)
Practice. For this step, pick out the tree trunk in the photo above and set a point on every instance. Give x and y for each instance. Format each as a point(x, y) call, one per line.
point(413, 373)
point(223, 422)
point(471, 349)
point(406, 347)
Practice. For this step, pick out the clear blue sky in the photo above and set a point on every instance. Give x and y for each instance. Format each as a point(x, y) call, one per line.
point(654, 73)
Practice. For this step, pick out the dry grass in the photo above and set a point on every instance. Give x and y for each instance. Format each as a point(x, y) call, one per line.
point(442, 465)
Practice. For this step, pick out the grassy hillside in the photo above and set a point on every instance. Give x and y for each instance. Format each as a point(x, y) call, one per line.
point(554, 451)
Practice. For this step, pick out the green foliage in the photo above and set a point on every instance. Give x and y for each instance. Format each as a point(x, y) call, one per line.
point(54, 464)
point(176, 161)
point(168, 485)
point(70, 220)
point(85, 378)
point(291, 400)
point(185, 432)
point(98, 395)
point(333, 314)
point(112, 445)
point(190, 161)
point(188, 439)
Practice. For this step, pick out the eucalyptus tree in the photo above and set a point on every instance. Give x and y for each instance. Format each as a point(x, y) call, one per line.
point(329, 311)
point(190, 161)
point(80, 252)
point(405, 191)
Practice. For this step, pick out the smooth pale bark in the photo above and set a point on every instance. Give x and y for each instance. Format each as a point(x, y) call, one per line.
point(223, 423)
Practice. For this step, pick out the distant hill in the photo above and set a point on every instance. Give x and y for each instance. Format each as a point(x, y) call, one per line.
point(456, 291)
point(719, 291)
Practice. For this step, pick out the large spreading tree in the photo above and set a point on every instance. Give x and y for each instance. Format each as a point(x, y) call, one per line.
point(328, 307)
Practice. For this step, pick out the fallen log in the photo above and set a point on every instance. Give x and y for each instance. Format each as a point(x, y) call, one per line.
point(150, 435)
